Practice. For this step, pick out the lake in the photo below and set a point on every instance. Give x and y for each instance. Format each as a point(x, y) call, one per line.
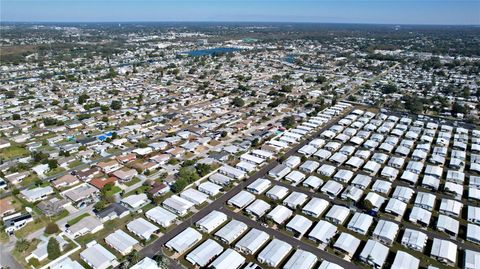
point(212, 51)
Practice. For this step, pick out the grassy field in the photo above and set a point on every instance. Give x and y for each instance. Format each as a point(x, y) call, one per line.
point(13, 152)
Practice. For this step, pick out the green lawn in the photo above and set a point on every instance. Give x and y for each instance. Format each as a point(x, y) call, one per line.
point(75, 164)
point(77, 219)
point(141, 189)
point(114, 190)
point(20, 256)
point(29, 180)
point(55, 171)
point(4, 238)
point(132, 182)
point(13, 152)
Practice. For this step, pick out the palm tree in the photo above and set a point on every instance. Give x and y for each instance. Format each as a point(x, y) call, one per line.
point(162, 261)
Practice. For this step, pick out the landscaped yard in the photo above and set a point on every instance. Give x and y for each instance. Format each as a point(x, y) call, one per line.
point(13, 152)
point(114, 190)
point(141, 189)
point(55, 171)
point(75, 164)
point(77, 219)
point(132, 182)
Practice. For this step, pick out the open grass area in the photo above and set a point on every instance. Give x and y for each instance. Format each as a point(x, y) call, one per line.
point(112, 191)
point(4, 238)
point(20, 256)
point(55, 171)
point(141, 189)
point(13, 152)
point(75, 164)
point(132, 182)
point(29, 180)
point(77, 219)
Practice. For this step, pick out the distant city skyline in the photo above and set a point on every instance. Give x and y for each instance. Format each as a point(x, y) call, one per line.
point(440, 12)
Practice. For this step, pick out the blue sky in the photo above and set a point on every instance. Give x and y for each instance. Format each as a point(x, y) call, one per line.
point(334, 11)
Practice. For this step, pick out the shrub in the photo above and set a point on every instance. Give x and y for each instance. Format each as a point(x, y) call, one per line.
point(53, 249)
point(52, 228)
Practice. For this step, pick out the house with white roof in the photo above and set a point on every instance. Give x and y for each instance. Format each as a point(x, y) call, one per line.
point(161, 216)
point(360, 223)
point(205, 253)
point(135, 201)
point(414, 239)
point(229, 259)
point(142, 228)
point(177, 205)
point(347, 244)
point(258, 208)
point(259, 186)
point(121, 242)
point(472, 259)
point(385, 231)
point(374, 254)
point(295, 200)
point(211, 221)
point(299, 225)
point(444, 251)
point(184, 240)
point(323, 232)
point(273, 254)
point(231, 231)
point(98, 257)
point(241, 200)
point(277, 192)
point(337, 214)
point(403, 260)
point(280, 214)
point(252, 241)
point(301, 259)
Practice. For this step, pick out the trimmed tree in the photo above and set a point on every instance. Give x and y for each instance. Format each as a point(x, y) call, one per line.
point(52, 228)
point(53, 249)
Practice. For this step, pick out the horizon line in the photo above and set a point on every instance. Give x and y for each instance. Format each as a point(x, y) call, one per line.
point(274, 22)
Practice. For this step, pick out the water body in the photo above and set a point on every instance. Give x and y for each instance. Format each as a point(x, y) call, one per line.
point(212, 51)
point(290, 58)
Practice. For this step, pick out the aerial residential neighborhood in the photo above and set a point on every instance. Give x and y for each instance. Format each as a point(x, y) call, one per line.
point(239, 145)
